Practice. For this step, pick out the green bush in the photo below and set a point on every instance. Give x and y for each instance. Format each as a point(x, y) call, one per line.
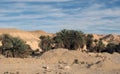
point(99, 46)
point(14, 45)
point(117, 48)
point(89, 41)
point(69, 39)
point(111, 48)
point(46, 43)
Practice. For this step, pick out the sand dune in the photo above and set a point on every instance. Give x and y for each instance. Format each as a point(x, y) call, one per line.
point(38, 33)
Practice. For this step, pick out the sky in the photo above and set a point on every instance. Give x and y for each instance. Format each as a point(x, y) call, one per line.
point(89, 16)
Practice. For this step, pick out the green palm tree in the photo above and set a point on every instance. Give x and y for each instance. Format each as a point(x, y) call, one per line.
point(89, 41)
point(6, 42)
point(70, 39)
point(13, 44)
point(46, 43)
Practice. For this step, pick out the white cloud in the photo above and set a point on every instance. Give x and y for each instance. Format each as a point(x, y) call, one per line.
point(42, 11)
point(94, 16)
point(113, 1)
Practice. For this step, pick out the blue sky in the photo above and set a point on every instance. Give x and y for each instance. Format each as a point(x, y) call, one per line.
point(90, 16)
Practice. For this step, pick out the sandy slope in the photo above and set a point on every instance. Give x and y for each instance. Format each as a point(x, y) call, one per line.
point(61, 61)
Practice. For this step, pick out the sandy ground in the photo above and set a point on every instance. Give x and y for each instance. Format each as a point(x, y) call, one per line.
point(62, 61)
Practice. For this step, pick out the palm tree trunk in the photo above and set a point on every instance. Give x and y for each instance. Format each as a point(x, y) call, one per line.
point(13, 53)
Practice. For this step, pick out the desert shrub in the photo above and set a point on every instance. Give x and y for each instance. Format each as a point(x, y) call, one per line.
point(117, 48)
point(111, 48)
point(76, 61)
point(46, 43)
point(58, 42)
point(69, 39)
point(89, 41)
point(99, 46)
point(14, 45)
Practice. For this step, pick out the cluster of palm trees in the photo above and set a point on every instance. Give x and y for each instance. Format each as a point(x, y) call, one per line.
point(69, 39)
point(73, 40)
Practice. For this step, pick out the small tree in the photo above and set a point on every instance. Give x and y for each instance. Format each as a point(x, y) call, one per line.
point(46, 43)
point(6, 42)
point(89, 41)
point(58, 42)
point(117, 48)
point(110, 48)
point(19, 47)
point(16, 46)
point(99, 46)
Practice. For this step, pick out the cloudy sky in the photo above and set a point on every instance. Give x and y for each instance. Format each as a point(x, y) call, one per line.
point(90, 16)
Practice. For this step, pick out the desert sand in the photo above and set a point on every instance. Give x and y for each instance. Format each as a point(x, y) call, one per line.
point(60, 61)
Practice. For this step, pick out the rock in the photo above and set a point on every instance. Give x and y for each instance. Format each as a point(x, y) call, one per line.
point(45, 67)
point(66, 67)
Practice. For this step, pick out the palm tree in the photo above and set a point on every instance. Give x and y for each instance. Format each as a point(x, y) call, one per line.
point(19, 46)
point(89, 41)
point(6, 42)
point(60, 39)
point(14, 45)
point(110, 48)
point(46, 43)
point(117, 47)
point(100, 46)
point(70, 39)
